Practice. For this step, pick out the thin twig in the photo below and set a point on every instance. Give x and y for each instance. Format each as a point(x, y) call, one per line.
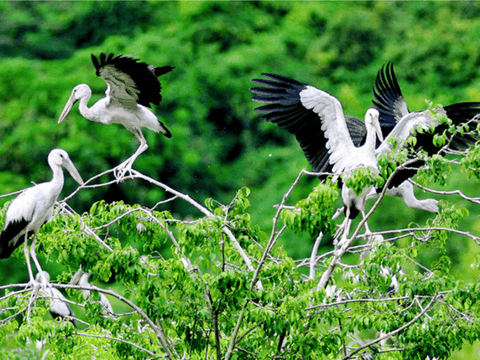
point(475, 200)
point(396, 331)
point(158, 331)
point(151, 353)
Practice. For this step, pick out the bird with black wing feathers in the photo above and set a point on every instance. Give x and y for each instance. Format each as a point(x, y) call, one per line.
point(30, 210)
point(317, 120)
point(287, 107)
point(132, 86)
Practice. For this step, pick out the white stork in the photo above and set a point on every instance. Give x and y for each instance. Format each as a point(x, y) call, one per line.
point(81, 278)
point(287, 109)
point(131, 87)
point(397, 121)
point(33, 208)
point(318, 121)
point(59, 307)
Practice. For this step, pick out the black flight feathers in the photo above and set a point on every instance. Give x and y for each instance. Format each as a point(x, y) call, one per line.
point(391, 105)
point(12, 229)
point(284, 108)
point(281, 96)
point(144, 76)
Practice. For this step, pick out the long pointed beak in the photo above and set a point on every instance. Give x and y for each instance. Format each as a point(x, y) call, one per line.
point(73, 171)
point(68, 107)
point(378, 129)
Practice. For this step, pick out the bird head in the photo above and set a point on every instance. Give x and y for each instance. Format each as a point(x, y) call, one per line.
point(78, 92)
point(371, 120)
point(43, 277)
point(59, 157)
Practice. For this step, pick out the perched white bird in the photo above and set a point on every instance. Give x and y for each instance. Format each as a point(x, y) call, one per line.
point(81, 278)
point(59, 308)
point(318, 121)
point(131, 87)
point(397, 121)
point(287, 108)
point(34, 207)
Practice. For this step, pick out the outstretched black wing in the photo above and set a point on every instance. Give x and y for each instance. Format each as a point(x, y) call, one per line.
point(388, 99)
point(391, 105)
point(284, 108)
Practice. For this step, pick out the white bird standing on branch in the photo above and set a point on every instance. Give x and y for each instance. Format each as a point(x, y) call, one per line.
point(131, 87)
point(81, 278)
point(287, 109)
point(33, 208)
point(398, 121)
point(59, 307)
point(325, 137)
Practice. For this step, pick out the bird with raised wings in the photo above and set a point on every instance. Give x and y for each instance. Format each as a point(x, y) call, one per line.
point(132, 86)
point(286, 107)
point(27, 213)
point(317, 120)
point(398, 121)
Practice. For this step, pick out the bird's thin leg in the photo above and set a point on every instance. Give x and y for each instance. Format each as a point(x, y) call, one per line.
point(371, 238)
point(27, 257)
point(126, 166)
point(343, 229)
point(346, 231)
point(34, 255)
point(367, 229)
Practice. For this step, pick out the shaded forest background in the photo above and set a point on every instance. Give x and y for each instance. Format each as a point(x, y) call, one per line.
point(219, 144)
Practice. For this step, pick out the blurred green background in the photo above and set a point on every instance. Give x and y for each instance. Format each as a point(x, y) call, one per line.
point(219, 144)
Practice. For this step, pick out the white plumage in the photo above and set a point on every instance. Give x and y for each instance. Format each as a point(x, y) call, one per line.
point(82, 279)
point(131, 87)
point(317, 120)
point(34, 207)
point(344, 155)
point(58, 304)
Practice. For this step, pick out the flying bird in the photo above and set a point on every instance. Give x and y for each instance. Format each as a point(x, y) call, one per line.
point(59, 307)
point(34, 207)
point(132, 87)
point(317, 120)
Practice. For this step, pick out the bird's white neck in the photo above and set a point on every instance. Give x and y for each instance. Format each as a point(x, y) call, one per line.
point(371, 140)
point(85, 110)
point(58, 179)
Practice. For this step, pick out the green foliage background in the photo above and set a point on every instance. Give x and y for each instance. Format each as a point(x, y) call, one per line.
point(219, 144)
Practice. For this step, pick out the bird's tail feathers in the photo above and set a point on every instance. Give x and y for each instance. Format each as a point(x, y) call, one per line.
point(163, 129)
point(6, 251)
point(9, 233)
point(162, 70)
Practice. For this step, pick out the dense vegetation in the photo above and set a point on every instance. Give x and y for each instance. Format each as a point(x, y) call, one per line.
point(220, 146)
